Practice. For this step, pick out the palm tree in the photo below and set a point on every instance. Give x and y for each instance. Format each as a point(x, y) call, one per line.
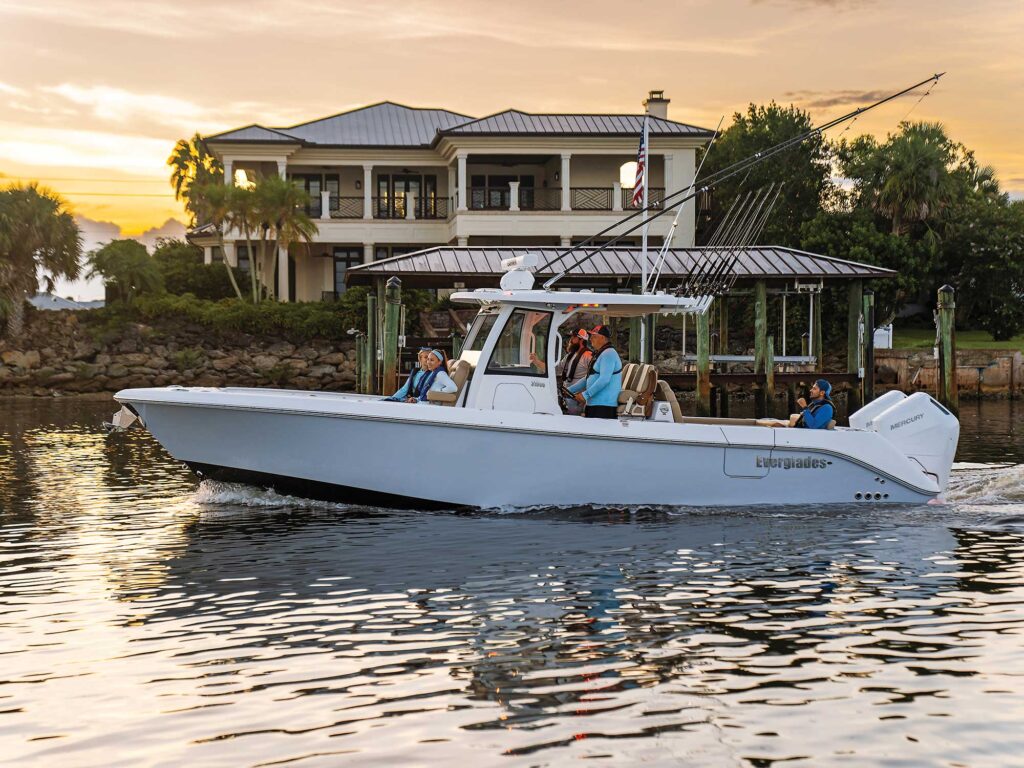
point(217, 198)
point(282, 210)
point(39, 242)
point(194, 169)
point(126, 267)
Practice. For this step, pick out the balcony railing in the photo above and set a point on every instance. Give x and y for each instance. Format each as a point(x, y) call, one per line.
point(543, 199)
point(489, 198)
point(655, 197)
point(388, 207)
point(346, 207)
point(591, 198)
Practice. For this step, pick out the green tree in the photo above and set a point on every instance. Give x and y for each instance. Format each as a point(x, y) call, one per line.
point(805, 169)
point(270, 215)
point(194, 170)
point(127, 268)
point(183, 271)
point(39, 242)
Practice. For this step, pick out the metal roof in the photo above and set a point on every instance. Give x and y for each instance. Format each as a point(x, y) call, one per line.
point(254, 133)
point(761, 262)
point(512, 122)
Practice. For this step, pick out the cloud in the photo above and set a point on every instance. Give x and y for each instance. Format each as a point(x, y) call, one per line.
point(172, 228)
point(821, 99)
point(10, 89)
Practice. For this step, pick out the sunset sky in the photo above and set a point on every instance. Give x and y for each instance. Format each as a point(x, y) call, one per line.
point(94, 94)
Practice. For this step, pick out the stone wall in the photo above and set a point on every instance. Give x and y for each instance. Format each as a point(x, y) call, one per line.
point(980, 372)
point(61, 353)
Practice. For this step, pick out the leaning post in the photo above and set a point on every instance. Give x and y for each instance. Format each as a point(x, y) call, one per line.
point(760, 338)
point(704, 364)
point(392, 318)
point(769, 377)
point(869, 346)
point(949, 394)
point(370, 347)
point(856, 300)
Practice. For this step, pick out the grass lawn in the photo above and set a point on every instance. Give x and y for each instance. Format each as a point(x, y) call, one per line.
point(925, 337)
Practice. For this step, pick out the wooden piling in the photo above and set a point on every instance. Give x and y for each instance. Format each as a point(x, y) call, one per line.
point(704, 364)
point(853, 361)
point(869, 346)
point(723, 325)
point(370, 347)
point(760, 338)
point(392, 316)
point(360, 362)
point(949, 394)
point(769, 377)
point(634, 334)
point(816, 343)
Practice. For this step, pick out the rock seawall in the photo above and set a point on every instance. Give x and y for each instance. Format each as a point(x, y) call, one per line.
point(60, 353)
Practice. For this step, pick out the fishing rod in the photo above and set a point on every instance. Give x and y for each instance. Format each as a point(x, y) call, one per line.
point(726, 173)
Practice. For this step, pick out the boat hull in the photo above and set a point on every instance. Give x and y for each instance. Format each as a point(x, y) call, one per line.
point(364, 450)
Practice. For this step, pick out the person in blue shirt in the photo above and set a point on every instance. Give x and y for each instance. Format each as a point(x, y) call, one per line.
point(411, 387)
point(820, 411)
point(599, 392)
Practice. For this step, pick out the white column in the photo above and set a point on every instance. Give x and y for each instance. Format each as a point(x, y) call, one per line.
point(282, 169)
point(208, 254)
point(229, 171)
point(462, 183)
point(564, 242)
point(367, 253)
point(513, 195)
point(684, 168)
point(410, 205)
point(463, 242)
point(566, 199)
point(325, 205)
point(229, 254)
point(616, 195)
point(451, 189)
point(282, 274)
point(368, 192)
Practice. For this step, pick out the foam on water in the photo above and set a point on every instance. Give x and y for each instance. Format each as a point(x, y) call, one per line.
point(218, 494)
point(986, 484)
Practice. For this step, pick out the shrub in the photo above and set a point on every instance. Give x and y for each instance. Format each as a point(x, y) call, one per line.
point(181, 265)
point(126, 268)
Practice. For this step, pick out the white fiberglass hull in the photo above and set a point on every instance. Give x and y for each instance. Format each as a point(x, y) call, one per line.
point(365, 449)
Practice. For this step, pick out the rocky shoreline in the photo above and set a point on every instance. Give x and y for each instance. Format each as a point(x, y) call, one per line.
point(59, 353)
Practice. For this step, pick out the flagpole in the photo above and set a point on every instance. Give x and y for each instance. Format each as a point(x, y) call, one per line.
point(643, 249)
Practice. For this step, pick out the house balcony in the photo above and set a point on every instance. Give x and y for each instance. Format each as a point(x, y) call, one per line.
point(331, 206)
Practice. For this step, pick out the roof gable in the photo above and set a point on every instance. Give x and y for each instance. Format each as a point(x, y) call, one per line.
point(513, 122)
point(384, 124)
point(255, 133)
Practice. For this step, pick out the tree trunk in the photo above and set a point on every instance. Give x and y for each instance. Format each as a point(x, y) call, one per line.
point(16, 316)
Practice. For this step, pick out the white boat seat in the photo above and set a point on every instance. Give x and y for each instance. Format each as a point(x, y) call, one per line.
point(459, 370)
point(665, 394)
point(639, 381)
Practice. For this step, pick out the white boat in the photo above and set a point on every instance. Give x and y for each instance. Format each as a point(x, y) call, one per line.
point(502, 440)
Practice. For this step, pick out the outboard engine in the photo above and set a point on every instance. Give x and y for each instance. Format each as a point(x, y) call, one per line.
point(918, 426)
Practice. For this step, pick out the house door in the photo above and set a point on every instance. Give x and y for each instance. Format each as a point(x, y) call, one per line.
point(400, 184)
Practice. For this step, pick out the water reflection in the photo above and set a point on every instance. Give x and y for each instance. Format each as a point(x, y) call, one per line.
point(163, 623)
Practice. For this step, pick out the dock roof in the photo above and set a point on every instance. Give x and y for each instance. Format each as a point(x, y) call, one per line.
point(481, 265)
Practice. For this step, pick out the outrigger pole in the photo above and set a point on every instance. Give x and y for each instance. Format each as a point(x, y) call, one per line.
point(726, 173)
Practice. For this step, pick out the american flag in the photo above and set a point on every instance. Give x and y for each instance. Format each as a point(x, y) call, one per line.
point(641, 163)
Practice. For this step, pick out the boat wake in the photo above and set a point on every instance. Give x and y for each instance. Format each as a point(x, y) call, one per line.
point(212, 493)
point(986, 484)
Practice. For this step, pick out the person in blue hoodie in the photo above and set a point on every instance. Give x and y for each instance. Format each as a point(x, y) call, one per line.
point(820, 411)
point(599, 392)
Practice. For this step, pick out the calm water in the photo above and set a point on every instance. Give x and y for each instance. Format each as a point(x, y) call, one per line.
point(147, 620)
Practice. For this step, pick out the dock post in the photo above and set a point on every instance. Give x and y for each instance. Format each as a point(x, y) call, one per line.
point(769, 377)
point(723, 401)
point(704, 364)
point(634, 335)
point(370, 347)
point(723, 325)
point(949, 394)
point(760, 339)
point(392, 315)
point(869, 346)
point(816, 343)
point(360, 362)
point(856, 295)
point(790, 399)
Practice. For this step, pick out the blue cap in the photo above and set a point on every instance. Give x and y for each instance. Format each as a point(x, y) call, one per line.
point(824, 386)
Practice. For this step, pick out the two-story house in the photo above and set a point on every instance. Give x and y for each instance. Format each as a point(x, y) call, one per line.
point(389, 179)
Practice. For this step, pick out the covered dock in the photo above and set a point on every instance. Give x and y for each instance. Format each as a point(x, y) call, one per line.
point(775, 306)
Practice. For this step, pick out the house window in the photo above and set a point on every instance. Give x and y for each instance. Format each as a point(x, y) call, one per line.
point(243, 257)
point(343, 259)
point(525, 334)
point(216, 255)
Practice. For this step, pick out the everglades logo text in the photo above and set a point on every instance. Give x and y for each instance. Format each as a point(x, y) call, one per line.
point(802, 463)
